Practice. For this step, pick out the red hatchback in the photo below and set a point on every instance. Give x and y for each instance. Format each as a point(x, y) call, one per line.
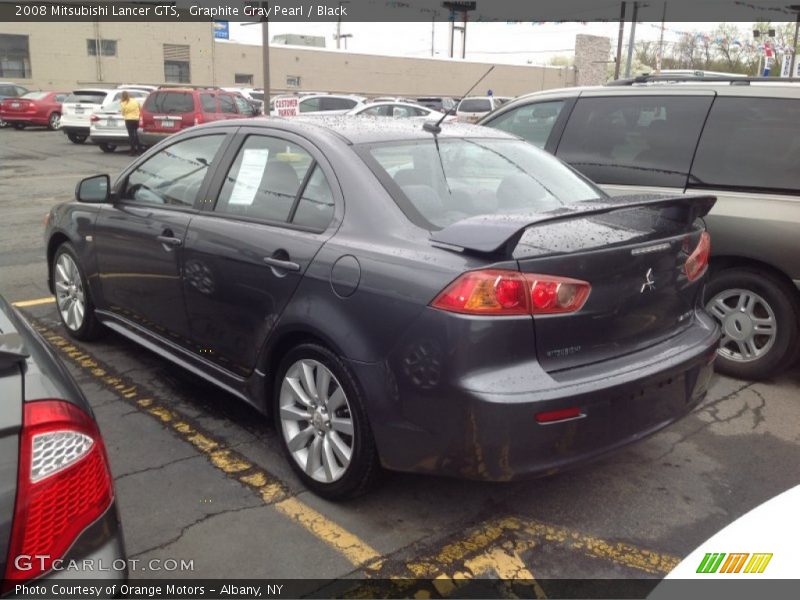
point(34, 108)
point(167, 111)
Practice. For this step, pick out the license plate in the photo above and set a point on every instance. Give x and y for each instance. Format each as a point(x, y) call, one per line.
point(78, 110)
point(112, 123)
point(168, 123)
point(15, 105)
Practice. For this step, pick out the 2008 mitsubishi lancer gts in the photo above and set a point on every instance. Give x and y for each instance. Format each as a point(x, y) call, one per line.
point(443, 300)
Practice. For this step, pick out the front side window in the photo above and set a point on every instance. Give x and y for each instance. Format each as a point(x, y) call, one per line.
point(532, 122)
point(634, 140)
point(333, 103)
point(243, 106)
point(470, 177)
point(208, 102)
point(173, 177)
point(15, 59)
point(750, 143)
point(226, 104)
point(309, 105)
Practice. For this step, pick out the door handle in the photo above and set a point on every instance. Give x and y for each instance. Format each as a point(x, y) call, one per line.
point(285, 265)
point(168, 240)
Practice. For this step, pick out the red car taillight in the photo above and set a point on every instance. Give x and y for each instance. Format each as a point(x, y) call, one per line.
point(697, 263)
point(63, 484)
point(94, 118)
point(501, 292)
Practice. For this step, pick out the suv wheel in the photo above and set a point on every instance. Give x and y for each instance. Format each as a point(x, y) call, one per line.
point(758, 314)
point(76, 138)
point(322, 423)
point(75, 306)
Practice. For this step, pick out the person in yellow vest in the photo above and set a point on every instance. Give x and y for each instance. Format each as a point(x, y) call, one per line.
point(130, 112)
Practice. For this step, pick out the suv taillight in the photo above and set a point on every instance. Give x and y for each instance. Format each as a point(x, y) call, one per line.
point(198, 118)
point(501, 292)
point(63, 484)
point(697, 263)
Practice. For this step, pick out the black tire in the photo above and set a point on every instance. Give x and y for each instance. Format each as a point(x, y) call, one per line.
point(364, 468)
point(90, 328)
point(779, 298)
point(76, 138)
point(18, 126)
point(54, 122)
point(107, 147)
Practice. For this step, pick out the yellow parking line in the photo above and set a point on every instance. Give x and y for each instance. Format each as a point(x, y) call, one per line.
point(37, 302)
point(268, 487)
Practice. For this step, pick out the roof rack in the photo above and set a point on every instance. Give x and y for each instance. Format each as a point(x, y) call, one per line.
point(733, 80)
point(166, 86)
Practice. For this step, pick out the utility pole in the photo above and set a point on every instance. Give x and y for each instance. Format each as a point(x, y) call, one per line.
point(618, 62)
point(265, 57)
point(433, 30)
point(339, 27)
point(796, 9)
point(632, 40)
point(464, 8)
point(661, 39)
point(344, 37)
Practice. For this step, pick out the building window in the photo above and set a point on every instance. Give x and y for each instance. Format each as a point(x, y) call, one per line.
point(15, 60)
point(243, 78)
point(107, 47)
point(293, 81)
point(177, 64)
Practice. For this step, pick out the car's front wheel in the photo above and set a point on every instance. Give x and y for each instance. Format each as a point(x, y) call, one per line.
point(322, 423)
point(76, 138)
point(108, 147)
point(73, 299)
point(758, 314)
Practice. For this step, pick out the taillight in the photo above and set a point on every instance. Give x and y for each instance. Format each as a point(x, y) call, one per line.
point(697, 263)
point(198, 118)
point(141, 122)
point(94, 118)
point(501, 292)
point(63, 484)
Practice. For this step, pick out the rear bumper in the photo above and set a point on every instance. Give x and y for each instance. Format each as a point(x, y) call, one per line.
point(149, 138)
point(74, 129)
point(29, 118)
point(443, 417)
point(111, 137)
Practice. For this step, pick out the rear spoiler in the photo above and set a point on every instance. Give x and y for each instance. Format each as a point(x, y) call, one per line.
point(499, 234)
point(12, 350)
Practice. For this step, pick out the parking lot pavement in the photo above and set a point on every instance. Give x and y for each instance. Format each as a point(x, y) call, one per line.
point(200, 477)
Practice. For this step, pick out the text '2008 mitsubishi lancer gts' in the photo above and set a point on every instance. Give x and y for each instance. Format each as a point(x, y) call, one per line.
point(442, 300)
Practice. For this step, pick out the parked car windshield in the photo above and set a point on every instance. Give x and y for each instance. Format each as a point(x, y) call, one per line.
point(471, 177)
point(169, 102)
point(86, 97)
point(35, 95)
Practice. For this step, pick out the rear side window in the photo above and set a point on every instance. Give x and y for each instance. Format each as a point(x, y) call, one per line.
point(377, 111)
point(86, 97)
point(173, 177)
point(337, 103)
point(750, 143)
point(208, 102)
point(532, 122)
point(475, 105)
point(635, 140)
point(169, 102)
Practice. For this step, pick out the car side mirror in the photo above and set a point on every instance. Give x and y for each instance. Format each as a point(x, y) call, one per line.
point(94, 190)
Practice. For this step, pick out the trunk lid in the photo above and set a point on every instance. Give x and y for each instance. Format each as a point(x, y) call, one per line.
point(631, 250)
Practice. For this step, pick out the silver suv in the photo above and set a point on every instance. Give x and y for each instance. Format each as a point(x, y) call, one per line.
point(736, 138)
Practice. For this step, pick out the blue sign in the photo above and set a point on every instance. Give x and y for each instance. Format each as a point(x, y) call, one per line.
point(221, 30)
point(489, 92)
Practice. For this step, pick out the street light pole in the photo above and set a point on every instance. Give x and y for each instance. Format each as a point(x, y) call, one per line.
point(631, 40)
point(618, 62)
point(265, 58)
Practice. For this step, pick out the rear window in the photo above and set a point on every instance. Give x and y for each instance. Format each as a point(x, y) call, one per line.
point(475, 105)
point(750, 143)
point(35, 95)
point(169, 102)
point(87, 97)
point(472, 177)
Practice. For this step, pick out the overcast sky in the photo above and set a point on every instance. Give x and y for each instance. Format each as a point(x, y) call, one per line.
point(515, 43)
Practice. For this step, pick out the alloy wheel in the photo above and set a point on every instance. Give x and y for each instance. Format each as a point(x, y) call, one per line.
point(749, 327)
point(55, 121)
point(70, 296)
point(316, 420)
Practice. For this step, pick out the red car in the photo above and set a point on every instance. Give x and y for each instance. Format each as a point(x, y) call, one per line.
point(167, 111)
point(34, 108)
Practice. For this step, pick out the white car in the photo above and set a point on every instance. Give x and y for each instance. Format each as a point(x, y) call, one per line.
point(326, 104)
point(107, 128)
point(398, 110)
point(471, 109)
point(78, 108)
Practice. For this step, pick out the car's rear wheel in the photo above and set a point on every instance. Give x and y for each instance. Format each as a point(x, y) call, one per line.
point(73, 299)
point(108, 147)
point(54, 122)
point(758, 314)
point(76, 138)
point(3, 124)
point(322, 423)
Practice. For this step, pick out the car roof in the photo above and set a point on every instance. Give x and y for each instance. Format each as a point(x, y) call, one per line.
point(363, 130)
point(93, 90)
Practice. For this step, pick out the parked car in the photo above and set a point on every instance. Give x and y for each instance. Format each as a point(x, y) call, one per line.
point(107, 128)
point(56, 490)
point(478, 310)
point(10, 90)
point(437, 103)
point(471, 109)
point(81, 104)
point(738, 139)
point(326, 104)
point(33, 108)
point(399, 110)
point(169, 110)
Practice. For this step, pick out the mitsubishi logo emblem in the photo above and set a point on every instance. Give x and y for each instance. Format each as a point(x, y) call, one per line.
point(649, 283)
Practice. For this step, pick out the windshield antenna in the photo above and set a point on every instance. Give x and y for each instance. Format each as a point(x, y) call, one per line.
point(435, 128)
